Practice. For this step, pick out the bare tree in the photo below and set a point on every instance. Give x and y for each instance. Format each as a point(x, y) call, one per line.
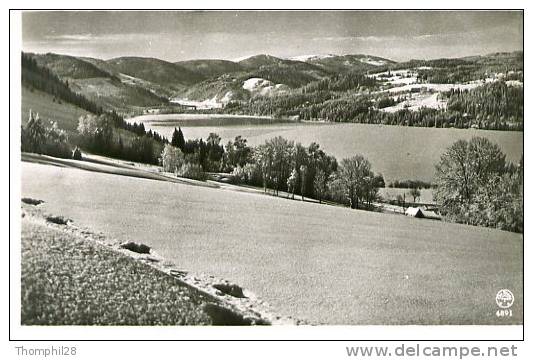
point(356, 179)
point(291, 182)
point(415, 193)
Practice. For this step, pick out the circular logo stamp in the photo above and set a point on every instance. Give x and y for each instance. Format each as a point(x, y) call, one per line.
point(504, 298)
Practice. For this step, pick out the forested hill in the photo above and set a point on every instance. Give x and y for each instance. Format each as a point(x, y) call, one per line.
point(57, 120)
point(70, 66)
point(211, 68)
point(35, 77)
point(156, 71)
point(477, 91)
point(99, 83)
point(483, 92)
point(41, 78)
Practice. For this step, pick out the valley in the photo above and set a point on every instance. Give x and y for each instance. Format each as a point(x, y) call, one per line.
point(317, 88)
point(333, 131)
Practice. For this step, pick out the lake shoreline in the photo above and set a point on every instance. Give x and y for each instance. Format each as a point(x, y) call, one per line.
point(398, 152)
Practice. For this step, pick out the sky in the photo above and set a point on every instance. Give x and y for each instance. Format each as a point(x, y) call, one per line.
point(233, 35)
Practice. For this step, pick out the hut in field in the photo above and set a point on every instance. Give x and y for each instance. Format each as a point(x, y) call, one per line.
point(414, 212)
point(420, 213)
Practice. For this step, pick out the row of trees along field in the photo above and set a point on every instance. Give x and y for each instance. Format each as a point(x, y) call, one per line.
point(278, 165)
point(96, 134)
point(41, 139)
point(474, 183)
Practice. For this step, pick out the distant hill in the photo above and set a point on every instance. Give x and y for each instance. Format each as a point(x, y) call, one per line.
point(36, 77)
point(348, 87)
point(224, 86)
point(211, 68)
point(102, 65)
point(70, 67)
point(58, 101)
point(293, 75)
point(113, 94)
point(345, 63)
point(45, 93)
point(231, 84)
point(257, 61)
point(157, 71)
point(513, 61)
point(282, 71)
point(99, 82)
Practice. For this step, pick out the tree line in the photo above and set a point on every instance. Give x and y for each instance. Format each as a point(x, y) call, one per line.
point(410, 184)
point(96, 134)
point(474, 182)
point(37, 137)
point(494, 105)
point(278, 165)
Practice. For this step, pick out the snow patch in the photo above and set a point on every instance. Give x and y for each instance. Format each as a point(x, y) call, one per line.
point(397, 77)
point(212, 103)
point(311, 57)
point(516, 83)
point(434, 87)
point(262, 86)
point(253, 84)
point(374, 62)
point(417, 101)
point(227, 97)
point(242, 58)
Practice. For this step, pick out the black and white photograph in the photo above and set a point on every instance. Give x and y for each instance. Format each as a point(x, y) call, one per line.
point(269, 168)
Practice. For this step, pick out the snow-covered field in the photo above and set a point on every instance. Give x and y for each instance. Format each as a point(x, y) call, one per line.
point(213, 103)
point(311, 57)
point(424, 94)
point(417, 101)
point(263, 87)
point(397, 77)
point(434, 87)
point(324, 264)
point(374, 62)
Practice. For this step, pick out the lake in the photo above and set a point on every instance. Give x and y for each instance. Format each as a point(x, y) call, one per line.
point(398, 152)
